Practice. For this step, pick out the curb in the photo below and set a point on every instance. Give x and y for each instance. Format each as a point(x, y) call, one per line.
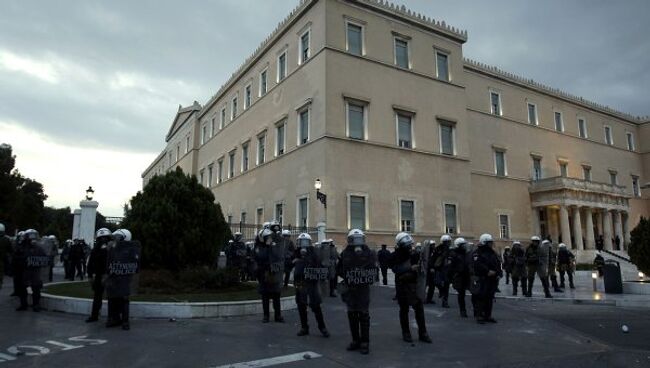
point(179, 310)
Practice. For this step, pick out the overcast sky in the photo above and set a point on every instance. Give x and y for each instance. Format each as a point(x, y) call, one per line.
point(88, 88)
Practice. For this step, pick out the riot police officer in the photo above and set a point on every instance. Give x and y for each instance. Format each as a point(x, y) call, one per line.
point(486, 268)
point(441, 266)
point(33, 257)
point(238, 254)
point(532, 263)
point(227, 251)
point(431, 272)
point(97, 270)
point(552, 262)
point(307, 273)
point(406, 269)
point(383, 257)
point(5, 251)
point(334, 258)
point(565, 261)
point(517, 260)
point(357, 267)
point(459, 272)
point(270, 271)
point(507, 264)
point(118, 284)
point(544, 252)
point(289, 253)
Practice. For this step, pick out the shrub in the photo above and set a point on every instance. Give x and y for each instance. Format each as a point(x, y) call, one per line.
point(639, 249)
point(193, 280)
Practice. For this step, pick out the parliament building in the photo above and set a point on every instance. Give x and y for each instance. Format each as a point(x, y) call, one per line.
point(405, 134)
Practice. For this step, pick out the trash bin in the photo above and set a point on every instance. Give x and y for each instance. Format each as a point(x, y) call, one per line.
point(612, 277)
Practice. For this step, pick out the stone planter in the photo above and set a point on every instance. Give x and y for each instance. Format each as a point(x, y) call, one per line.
point(165, 310)
point(636, 287)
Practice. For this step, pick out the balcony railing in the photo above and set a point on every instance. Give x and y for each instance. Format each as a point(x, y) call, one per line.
point(559, 183)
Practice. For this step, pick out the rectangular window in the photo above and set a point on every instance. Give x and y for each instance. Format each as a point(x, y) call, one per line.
point(233, 108)
point(357, 212)
point(242, 218)
point(220, 171)
point(495, 103)
point(231, 162)
point(201, 176)
point(564, 168)
point(500, 163)
point(401, 53)
point(356, 121)
point(282, 66)
point(532, 114)
point(451, 226)
point(213, 127)
point(504, 226)
point(404, 131)
point(210, 170)
point(442, 66)
point(303, 126)
point(263, 83)
point(187, 144)
point(261, 149)
point(447, 139)
point(608, 135)
point(204, 134)
point(244, 157)
point(280, 138)
point(630, 141)
point(635, 186)
point(586, 173)
point(304, 47)
point(559, 124)
point(178, 152)
point(354, 39)
point(247, 97)
point(612, 178)
point(407, 216)
point(259, 216)
point(582, 127)
point(302, 213)
point(222, 121)
point(537, 168)
point(279, 212)
point(229, 219)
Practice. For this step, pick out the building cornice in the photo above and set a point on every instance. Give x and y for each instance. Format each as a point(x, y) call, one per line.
point(494, 72)
point(160, 156)
point(417, 19)
point(268, 42)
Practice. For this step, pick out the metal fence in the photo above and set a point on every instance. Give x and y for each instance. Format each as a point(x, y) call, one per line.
point(249, 231)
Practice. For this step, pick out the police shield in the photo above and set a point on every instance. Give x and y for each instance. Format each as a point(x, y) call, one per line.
point(323, 253)
point(123, 264)
point(278, 250)
point(421, 285)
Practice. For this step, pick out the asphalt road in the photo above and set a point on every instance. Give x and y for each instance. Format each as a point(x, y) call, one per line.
point(528, 334)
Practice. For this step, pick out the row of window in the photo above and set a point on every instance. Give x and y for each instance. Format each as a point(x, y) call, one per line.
point(558, 119)
point(355, 44)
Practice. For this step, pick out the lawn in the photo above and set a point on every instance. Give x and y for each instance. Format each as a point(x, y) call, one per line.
point(245, 291)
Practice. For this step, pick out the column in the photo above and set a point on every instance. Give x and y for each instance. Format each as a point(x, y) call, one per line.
point(626, 229)
point(577, 229)
point(618, 228)
point(75, 224)
point(552, 225)
point(607, 229)
point(535, 220)
point(589, 228)
point(564, 226)
point(599, 222)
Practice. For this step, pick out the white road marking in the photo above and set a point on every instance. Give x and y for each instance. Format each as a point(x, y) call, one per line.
point(273, 361)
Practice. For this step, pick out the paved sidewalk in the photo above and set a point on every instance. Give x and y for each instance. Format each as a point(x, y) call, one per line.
point(582, 294)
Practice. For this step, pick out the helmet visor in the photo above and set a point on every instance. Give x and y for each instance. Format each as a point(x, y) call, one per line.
point(304, 243)
point(356, 239)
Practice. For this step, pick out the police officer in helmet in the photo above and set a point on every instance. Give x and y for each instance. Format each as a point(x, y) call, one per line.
point(517, 260)
point(306, 283)
point(459, 272)
point(406, 269)
point(486, 268)
point(97, 270)
point(441, 266)
point(358, 269)
point(269, 277)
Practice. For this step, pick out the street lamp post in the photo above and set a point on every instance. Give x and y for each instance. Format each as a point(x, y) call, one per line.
point(322, 198)
point(90, 193)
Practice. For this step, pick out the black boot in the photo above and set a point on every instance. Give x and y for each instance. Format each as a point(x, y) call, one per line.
point(547, 292)
point(423, 336)
point(277, 309)
point(514, 288)
point(445, 303)
point(364, 322)
point(318, 313)
point(304, 324)
point(265, 308)
point(404, 324)
point(353, 320)
point(530, 287)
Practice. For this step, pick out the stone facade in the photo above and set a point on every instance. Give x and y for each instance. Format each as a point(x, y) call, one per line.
point(404, 133)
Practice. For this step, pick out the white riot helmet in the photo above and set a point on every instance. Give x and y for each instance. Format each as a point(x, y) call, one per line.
point(303, 240)
point(535, 238)
point(445, 238)
point(459, 242)
point(2, 228)
point(546, 242)
point(31, 234)
point(356, 237)
point(404, 240)
point(122, 235)
point(430, 243)
point(562, 245)
point(266, 225)
point(265, 234)
point(237, 236)
point(102, 232)
point(485, 239)
point(286, 233)
point(275, 226)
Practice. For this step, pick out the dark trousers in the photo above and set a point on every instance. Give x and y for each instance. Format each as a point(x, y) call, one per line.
point(76, 266)
point(359, 326)
point(98, 292)
point(443, 290)
point(569, 274)
point(507, 277)
point(553, 276)
point(266, 298)
point(515, 283)
point(419, 319)
point(485, 304)
point(475, 305)
point(68, 269)
point(51, 273)
point(287, 275)
point(461, 300)
point(118, 310)
point(333, 282)
point(318, 314)
point(384, 275)
point(36, 295)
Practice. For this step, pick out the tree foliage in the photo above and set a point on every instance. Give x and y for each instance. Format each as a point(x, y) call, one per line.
point(639, 249)
point(21, 198)
point(178, 223)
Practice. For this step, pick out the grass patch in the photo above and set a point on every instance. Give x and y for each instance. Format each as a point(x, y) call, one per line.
point(244, 291)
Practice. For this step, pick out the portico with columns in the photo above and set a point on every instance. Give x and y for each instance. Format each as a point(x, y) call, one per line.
point(576, 212)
